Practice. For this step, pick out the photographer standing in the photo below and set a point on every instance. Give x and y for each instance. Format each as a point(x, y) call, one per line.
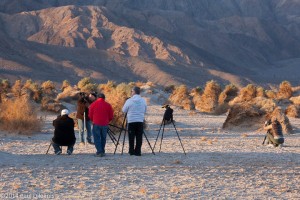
point(83, 104)
point(274, 135)
point(135, 107)
point(100, 113)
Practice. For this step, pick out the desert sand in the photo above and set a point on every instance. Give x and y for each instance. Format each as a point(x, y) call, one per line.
point(219, 164)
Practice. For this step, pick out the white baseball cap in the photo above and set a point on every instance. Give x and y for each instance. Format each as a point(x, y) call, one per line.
point(64, 112)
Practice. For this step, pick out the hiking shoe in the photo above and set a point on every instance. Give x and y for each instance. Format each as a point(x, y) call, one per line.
point(97, 155)
point(91, 143)
point(58, 153)
point(69, 152)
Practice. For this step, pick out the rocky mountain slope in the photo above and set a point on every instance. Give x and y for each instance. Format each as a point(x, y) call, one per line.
point(164, 41)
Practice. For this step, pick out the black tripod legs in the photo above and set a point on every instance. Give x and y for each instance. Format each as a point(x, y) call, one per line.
point(149, 143)
point(179, 137)
point(162, 123)
point(162, 135)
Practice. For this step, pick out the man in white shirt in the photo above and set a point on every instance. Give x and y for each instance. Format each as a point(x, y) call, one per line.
point(135, 107)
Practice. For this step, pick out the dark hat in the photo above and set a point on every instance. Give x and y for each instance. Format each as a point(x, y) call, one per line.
point(101, 95)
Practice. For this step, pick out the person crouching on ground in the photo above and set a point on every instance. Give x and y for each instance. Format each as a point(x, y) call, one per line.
point(100, 113)
point(135, 107)
point(64, 134)
point(274, 133)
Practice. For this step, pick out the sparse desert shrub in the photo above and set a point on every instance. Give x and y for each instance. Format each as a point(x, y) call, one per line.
point(49, 104)
point(229, 93)
point(139, 84)
point(5, 85)
point(180, 97)
point(83, 82)
point(65, 84)
point(17, 88)
point(48, 85)
point(209, 98)
point(117, 97)
point(107, 88)
point(270, 94)
point(248, 93)
point(285, 90)
point(48, 89)
point(86, 85)
point(20, 116)
point(293, 111)
point(295, 100)
point(68, 94)
point(260, 92)
point(28, 84)
point(264, 104)
point(89, 88)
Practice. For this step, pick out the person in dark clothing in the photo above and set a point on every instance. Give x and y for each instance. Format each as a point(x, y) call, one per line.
point(64, 134)
point(83, 110)
point(274, 135)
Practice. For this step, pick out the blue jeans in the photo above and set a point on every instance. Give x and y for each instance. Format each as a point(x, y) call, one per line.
point(100, 133)
point(57, 148)
point(81, 134)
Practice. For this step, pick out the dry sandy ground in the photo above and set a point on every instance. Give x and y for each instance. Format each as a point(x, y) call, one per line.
point(218, 165)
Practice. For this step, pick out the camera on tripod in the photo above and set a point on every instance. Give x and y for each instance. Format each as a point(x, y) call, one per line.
point(168, 115)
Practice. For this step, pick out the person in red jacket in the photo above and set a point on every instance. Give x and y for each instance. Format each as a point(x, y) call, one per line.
point(100, 113)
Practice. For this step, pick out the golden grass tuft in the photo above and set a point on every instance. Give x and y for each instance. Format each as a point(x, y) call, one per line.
point(209, 142)
point(244, 135)
point(295, 100)
point(209, 98)
point(260, 92)
point(4, 85)
point(17, 88)
point(175, 189)
point(203, 139)
point(293, 111)
point(155, 196)
point(285, 90)
point(180, 97)
point(270, 94)
point(117, 96)
point(143, 191)
point(19, 116)
point(248, 93)
point(65, 84)
point(229, 93)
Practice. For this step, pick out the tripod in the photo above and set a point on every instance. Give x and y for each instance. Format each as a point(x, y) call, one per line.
point(162, 125)
point(124, 127)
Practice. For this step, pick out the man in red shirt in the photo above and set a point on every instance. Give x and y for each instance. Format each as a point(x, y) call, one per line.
point(100, 113)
